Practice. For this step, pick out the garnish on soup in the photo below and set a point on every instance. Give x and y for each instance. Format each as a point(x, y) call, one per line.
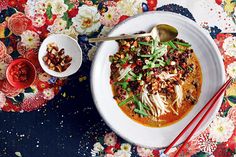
point(56, 59)
point(155, 83)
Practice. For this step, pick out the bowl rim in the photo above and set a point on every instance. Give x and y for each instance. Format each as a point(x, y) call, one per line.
point(58, 74)
point(14, 62)
point(92, 84)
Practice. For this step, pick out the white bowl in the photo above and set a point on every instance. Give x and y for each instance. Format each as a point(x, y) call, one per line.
point(212, 70)
point(72, 49)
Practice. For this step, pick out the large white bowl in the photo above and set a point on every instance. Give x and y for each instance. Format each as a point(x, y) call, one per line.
point(212, 70)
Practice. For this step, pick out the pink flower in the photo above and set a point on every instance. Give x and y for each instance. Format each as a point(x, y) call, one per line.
point(18, 23)
point(3, 50)
point(144, 152)
point(232, 114)
point(3, 5)
point(33, 102)
point(39, 20)
point(110, 139)
point(21, 48)
point(204, 143)
point(48, 94)
point(6, 59)
point(2, 99)
point(9, 90)
point(111, 17)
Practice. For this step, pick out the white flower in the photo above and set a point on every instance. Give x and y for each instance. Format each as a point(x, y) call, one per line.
point(87, 20)
point(48, 94)
point(91, 53)
point(3, 68)
point(221, 129)
point(229, 46)
point(38, 20)
point(130, 7)
point(40, 7)
point(97, 148)
point(231, 70)
point(58, 26)
point(111, 17)
point(125, 147)
point(2, 99)
point(30, 39)
point(122, 153)
point(110, 139)
point(59, 7)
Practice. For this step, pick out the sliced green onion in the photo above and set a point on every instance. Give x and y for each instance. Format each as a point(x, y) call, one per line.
point(126, 101)
point(146, 56)
point(146, 67)
point(171, 44)
point(133, 74)
point(124, 85)
point(139, 77)
point(145, 43)
point(172, 50)
point(182, 44)
point(190, 68)
point(140, 112)
point(145, 107)
point(168, 61)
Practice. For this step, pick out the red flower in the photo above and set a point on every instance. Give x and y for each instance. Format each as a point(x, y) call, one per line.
point(218, 2)
point(18, 23)
point(221, 151)
point(109, 150)
point(122, 18)
point(51, 20)
point(72, 12)
point(8, 89)
point(41, 85)
point(152, 4)
point(33, 102)
point(231, 144)
point(117, 145)
point(156, 153)
point(10, 107)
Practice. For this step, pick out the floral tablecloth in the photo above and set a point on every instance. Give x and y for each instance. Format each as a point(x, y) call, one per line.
point(69, 124)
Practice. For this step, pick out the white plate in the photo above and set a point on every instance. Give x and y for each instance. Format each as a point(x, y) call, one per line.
point(212, 69)
point(72, 49)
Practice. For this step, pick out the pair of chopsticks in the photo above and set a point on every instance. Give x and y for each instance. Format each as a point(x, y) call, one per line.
point(211, 103)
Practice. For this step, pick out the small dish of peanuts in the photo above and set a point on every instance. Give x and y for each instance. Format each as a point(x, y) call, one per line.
point(60, 55)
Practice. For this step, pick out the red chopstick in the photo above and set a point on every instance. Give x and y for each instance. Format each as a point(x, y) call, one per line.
point(212, 101)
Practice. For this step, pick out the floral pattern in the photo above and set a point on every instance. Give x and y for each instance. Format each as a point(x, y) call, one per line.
point(23, 26)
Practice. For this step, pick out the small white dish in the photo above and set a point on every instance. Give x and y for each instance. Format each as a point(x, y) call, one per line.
point(72, 49)
point(212, 70)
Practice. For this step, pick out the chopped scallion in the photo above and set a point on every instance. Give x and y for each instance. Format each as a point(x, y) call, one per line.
point(145, 43)
point(126, 101)
point(182, 44)
point(143, 113)
point(172, 45)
